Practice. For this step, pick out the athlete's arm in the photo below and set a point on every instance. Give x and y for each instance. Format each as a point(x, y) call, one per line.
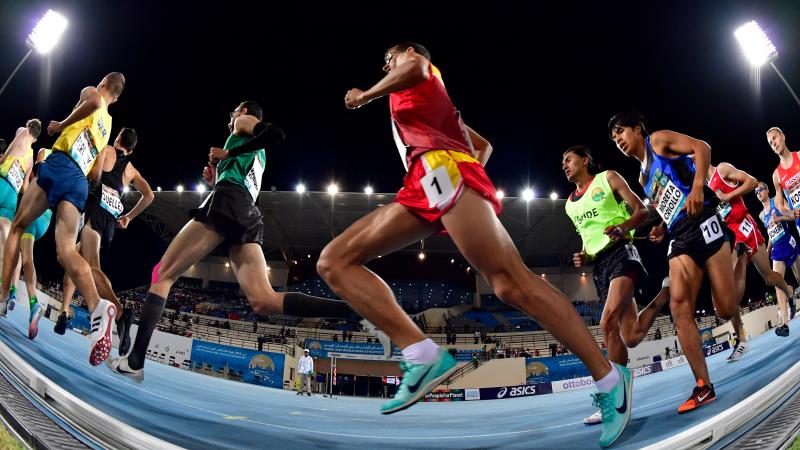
point(414, 70)
point(89, 103)
point(147, 195)
point(780, 201)
point(745, 181)
point(639, 214)
point(481, 148)
point(665, 142)
point(265, 135)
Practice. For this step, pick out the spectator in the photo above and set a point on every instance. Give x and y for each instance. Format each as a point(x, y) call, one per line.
point(666, 353)
point(477, 336)
point(658, 333)
point(305, 368)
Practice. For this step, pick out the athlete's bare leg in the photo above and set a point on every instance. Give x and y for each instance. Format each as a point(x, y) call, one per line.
point(619, 305)
point(89, 248)
point(193, 243)
point(726, 301)
point(634, 328)
point(685, 279)
point(30, 268)
point(783, 301)
point(341, 265)
point(493, 254)
point(761, 262)
point(250, 268)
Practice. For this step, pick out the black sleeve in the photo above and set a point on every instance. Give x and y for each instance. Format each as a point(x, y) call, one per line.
point(265, 135)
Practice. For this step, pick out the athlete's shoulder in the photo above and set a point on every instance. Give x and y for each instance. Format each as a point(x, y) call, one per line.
point(91, 94)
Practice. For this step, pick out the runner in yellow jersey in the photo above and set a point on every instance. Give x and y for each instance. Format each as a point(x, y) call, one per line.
point(61, 185)
point(15, 168)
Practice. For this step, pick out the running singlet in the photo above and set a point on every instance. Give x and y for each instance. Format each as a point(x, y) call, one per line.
point(790, 181)
point(111, 186)
point(775, 230)
point(733, 212)
point(84, 139)
point(593, 211)
point(13, 172)
point(424, 118)
point(244, 170)
point(667, 182)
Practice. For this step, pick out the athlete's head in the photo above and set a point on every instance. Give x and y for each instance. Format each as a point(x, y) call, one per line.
point(34, 127)
point(627, 130)
point(126, 140)
point(246, 108)
point(3, 146)
point(113, 84)
point(398, 54)
point(762, 191)
point(577, 162)
point(777, 140)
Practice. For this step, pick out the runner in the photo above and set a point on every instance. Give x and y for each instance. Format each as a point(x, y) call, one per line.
point(61, 184)
point(782, 248)
point(675, 184)
point(599, 210)
point(33, 233)
point(229, 216)
point(446, 188)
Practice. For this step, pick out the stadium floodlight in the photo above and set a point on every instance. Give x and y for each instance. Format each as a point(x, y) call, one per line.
point(179, 188)
point(759, 50)
point(757, 47)
point(158, 188)
point(368, 190)
point(500, 194)
point(553, 196)
point(43, 39)
point(300, 188)
point(527, 194)
point(333, 188)
point(126, 189)
point(201, 188)
point(646, 202)
point(421, 256)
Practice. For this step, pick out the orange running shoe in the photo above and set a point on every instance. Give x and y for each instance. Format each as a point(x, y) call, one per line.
point(701, 395)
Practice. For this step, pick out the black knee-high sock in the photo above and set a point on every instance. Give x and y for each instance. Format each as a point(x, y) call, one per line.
point(302, 305)
point(151, 314)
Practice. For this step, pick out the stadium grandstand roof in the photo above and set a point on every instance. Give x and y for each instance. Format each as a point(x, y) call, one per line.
point(296, 223)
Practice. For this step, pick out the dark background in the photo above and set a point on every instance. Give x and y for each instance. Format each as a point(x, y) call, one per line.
point(534, 79)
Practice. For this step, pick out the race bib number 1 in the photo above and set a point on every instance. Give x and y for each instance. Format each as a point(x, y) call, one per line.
point(669, 202)
point(438, 188)
point(711, 229)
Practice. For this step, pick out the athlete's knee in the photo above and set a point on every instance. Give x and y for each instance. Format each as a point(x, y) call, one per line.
point(508, 289)
point(609, 322)
point(329, 264)
point(161, 275)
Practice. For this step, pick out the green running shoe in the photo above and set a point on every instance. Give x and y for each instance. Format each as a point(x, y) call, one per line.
point(419, 379)
point(615, 407)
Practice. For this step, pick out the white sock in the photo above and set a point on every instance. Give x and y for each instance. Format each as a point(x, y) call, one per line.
point(422, 352)
point(607, 383)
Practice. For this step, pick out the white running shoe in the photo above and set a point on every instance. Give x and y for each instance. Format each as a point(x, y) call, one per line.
point(383, 338)
point(3, 309)
point(102, 323)
point(594, 419)
point(738, 351)
point(120, 366)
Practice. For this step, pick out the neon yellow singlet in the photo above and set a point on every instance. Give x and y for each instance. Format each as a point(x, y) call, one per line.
point(84, 139)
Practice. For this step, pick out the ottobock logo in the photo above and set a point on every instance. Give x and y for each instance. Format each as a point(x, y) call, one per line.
point(577, 383)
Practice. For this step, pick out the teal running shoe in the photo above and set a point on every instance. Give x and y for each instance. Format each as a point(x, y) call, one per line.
point(12, 300)
point(615, 407)
point(419, 379)
point(33, 327)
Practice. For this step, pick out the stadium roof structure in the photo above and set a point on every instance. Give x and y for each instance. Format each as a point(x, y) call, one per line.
point(296, 223)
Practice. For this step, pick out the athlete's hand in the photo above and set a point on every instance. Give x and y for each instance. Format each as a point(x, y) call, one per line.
point(774, 217)
point(614, 232)
point(657, 234)
point(796, 213)
point(54, 128)
point(580, 259)
point(723, 197)
point(209, 174)
point(694, 202)
point(355, 99)
point(217, 154)
point(123, 222)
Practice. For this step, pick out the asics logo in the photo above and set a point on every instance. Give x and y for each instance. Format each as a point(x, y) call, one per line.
point(412, 388)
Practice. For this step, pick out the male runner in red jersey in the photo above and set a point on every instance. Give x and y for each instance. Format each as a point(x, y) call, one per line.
point(447, 188)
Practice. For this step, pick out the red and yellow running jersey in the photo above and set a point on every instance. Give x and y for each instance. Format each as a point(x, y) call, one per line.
point(424, 118)
point(790, 181)
point(732, 212)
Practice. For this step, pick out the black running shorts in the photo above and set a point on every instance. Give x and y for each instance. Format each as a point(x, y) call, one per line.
point(230, 211)
point(699, 237)
point(620, 260)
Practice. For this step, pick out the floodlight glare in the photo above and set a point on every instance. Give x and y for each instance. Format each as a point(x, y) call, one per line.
point(527, 194)
point(500, 194)
point(179, 188)
point(300, 188)
point(368, 190)
point(200, 188)
point(126, 189)
point(755, 44)
point(333, 188)
point(47, 32)
point(553, 196)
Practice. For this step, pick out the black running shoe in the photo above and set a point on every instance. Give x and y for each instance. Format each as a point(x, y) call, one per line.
point(61, 324)
point(124, 331)
point(782, 331)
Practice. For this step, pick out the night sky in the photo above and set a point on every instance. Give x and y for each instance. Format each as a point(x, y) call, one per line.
point(533, 80)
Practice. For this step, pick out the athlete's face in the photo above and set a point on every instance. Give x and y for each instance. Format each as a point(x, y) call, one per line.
point(574, 166)
point(762, 193)
point(393, 58)
point(240, 110)
point(777, 141)
point(628, 139)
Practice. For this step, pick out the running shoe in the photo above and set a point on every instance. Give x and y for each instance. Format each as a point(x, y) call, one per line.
point(782, 331)
point(3, 309)
point(124, 331)
point(12, 300)
point(419, 379)
point(701, 394)
point(383, 338)
point(33, 326)
point(739, 349)
point(120, 366)
point(594, 419)
point(102, 321)
point(615, 407)
point(61, 324)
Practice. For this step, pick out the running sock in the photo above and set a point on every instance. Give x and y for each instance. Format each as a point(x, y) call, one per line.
point(151, 314)
point(13, 289)
point(607, 383)
point(422, 352)
point(303, 305)
point(32, 302)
